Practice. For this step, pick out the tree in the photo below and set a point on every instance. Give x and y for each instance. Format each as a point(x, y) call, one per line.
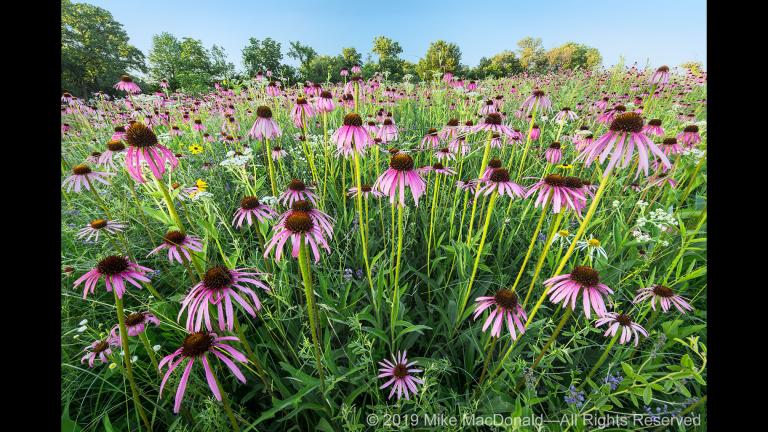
point(531, 52)
point(696, 67)
point(572, 55)
point(441, 56)
point(500, 65)
point(262, 56)
point(350, 57)
point(322, 69)
point(386, 48)
point(303, 53)
point(187, 63)
point(94, 50)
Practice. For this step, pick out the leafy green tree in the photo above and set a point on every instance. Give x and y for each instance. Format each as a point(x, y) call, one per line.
point(322, 69)
point(572, 55)
point(94, 50)
point(187, 64)
point(696, 67)
point(262, 56)
point(532, 54)
point(386, 48)
point(500, 65)
point(441, 56)
point(303, 53)
point(350, 57)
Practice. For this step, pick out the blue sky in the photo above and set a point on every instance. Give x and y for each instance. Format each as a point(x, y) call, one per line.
point(661, 32)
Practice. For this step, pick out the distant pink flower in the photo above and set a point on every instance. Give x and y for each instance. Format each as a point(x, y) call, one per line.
point(388, 131)
point(493, 124)
point(507, 311)
point(661, 76)
point(654, 127)
point(116, 271)
point(400, 374)
point(98, 350)
point(398, 176)
point(623, 321)
point(273, 89)
point(351, 136)
point(318, 217)
point(665, 296)
point(298, 226)
point(83, 177)
point(265, 127)
point(250, 208)
point(324, 103)
point(301, 112)
point(278, 153)
point(178, 244)
point(689, 136)
point(566, 114)
point(582, 280)
point(197, 346)
point(553, 154)
point(620, 141)
point(144, 148)
point(537, 98)
point(94, 228)
point(444, 154)
point(563, 192)
point(450, 130)
point(430, 140)
point(498, 181)
point(366, 190)
point(127, 85)
point(297, 190)
point(219, 287)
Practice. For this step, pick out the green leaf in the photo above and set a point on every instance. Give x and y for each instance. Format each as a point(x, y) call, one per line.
point(647, 395)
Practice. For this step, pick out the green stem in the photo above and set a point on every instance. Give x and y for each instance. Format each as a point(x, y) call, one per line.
point(310, 295)
point(601, 360)
point(225, 402)
point(127, 360)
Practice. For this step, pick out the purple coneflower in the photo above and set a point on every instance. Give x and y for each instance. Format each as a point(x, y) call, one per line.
point(273, 89)
point(144, 148)
point(301, 112)
point(553, 154)
point(106, 159)
point(178, 244)
point(661, 76)
point(219, 286)
point(508, 311)
point(626, 133)
point(492, 123)
point(388, 131)
point(95, 227)
point(430, 140)
point(654, 127)
point(297, 226)
point(351, 136)
point(400, 376)
point(665, 296)
point(251, 207)
point(265, 127)
point(398, 176)
point(318, 217)
point(689, 136)
point(583, 279)
point(628, 327)
point(498, 180)
point(197, 346)
point(98, 350)
point(537, 98)
point(127, 85)
point(450, 130)
point(297, 190)
point(82, 177)
point(563, 192)
point(566, 114)
point(324, 103)
point(116, 270)
point(444, 154)
point(366, 189)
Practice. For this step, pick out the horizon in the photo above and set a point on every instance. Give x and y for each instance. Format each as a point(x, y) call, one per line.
point(678, 34)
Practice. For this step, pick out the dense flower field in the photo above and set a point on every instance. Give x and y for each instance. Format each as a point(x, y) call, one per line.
point(381, 255)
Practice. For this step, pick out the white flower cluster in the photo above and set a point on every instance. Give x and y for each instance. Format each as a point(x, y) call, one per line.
point(164, 138)
point(694, 153)
point(237, 160)
point(664, 221)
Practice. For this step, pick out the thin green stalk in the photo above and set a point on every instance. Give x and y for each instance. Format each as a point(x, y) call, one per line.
point(127, 360)
point(310, 295)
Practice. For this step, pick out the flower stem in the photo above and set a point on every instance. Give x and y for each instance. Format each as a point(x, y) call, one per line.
point(362, 222)
point(169, 204)
point(601, 360)
point(225, 402)
point(488, 214)
point(483, 164)
point(127, 360)
point(150, 351)
point(309, 293)
point(531, 244)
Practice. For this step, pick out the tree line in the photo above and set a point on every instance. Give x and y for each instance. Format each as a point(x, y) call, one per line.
point(96, 52)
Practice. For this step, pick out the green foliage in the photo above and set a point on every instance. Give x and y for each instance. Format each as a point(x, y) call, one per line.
point(94, 50)
point(303, 53)
point(441, 56)
point(572, 55)
point(262, 56)
point(532, 54)
point(503, 64)
point(187, 64)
